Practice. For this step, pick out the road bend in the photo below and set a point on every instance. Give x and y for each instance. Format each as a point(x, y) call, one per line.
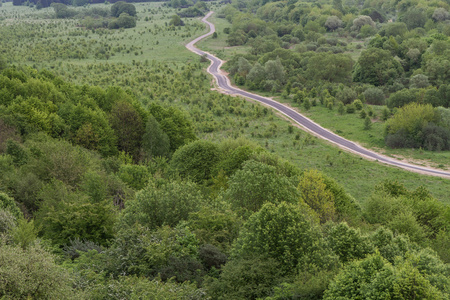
point(225, 86)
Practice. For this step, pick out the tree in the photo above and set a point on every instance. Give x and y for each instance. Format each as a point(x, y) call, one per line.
point(128, 125)
point(176, 21)
point(377, 67)
point(348, 243)
point(122, 7)
point(440, 14)
point(314, 193)
point(196, 161)
point(410, 121)
point(155, 141)
point(419, 81)
point(32, 272)
point(367, 30)
point(90, 128)
point(167, 204)
point(159, 252)
point(243, 67)
point(257, 183)
point(360, 21)
point(413, 18)
point(367, 123)
point(346, 95)
point(286, 233)
point(394, 29)
point(217, 228)
point(374, 96)
point(62, 11)
point(274, 70)
point(8, 204)
point(245, 278)
point(65, 215)
point(402, 97)
point(256, 75)
point(123, 21)
point(377, 278)
point(330, 67)
point(333, 23)
point(175, 124)
point(135, 176)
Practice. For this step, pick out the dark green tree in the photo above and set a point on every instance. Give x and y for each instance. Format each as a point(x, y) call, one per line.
point(377, 67)
point(196, 161)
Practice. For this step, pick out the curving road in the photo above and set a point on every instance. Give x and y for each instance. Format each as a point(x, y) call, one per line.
point(224, 84)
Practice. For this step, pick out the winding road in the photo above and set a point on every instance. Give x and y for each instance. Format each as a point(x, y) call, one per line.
point(224, 84)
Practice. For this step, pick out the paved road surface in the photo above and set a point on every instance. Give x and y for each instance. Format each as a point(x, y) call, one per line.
point(224, 84)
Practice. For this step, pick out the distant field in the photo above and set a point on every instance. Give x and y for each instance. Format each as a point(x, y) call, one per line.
point(151, 62)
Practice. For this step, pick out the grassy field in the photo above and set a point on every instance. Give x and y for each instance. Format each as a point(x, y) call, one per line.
point(152, 63)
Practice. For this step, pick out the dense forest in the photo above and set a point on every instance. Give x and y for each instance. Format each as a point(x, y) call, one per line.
point(128, 178)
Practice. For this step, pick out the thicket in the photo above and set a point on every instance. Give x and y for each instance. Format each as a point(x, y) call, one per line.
point(226, 219)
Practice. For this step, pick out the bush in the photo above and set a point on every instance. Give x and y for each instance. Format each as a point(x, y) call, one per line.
point(350, 108)
point(358, 104)
point(346, 95)
point(374, 96)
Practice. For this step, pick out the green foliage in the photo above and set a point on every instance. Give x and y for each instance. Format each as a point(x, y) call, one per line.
point(175, 124)
point(284, 232)
point(167, 204)
point(367, 123)
point(135, 176)
point(128, 125)
point(65, 215)
point(134, 287)
point(233, 159)
point(8, 204)
point(7, 222)
point(358, 104)
point(346, 95)
point(374, 96)
point(315, 194)
point(330, 67)
point(24, 234)
point(214, 227)
point(154, 141)
point(375, 276)
point(176, 21)
point(257, 183)
point(377, 67)
point(123, 21)
point(17, 152)
point(122, 7)
point(415, 213)
point(402, 97)
point(62, 11)
point(348, 243)
point(171, 252)
point(32, 272)
point(412, 126)
point(248, 278)
point(196, 161)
